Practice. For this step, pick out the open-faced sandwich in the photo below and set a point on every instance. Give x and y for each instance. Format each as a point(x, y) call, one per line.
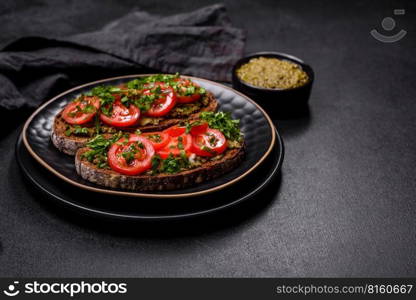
point(151, 103)
point(188, 153)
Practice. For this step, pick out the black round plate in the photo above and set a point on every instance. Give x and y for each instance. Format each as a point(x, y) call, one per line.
point(145, 209)
point(257, 127)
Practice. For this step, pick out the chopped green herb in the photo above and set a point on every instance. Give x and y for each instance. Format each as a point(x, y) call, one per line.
point(212, 140)
point(173, 164)
point(76, 129)
point(130, 153)
point(190, 90)
point(68, 132)
point(138, 83)
point(202, 91)
point(107, 110)
point(98, 149)
point(125, 100)
point(97, 124)
point(145, 102)
point(180, 143)
point(80, 130)
point(208, 149)
point(105, 93)
point(155, 137)
point(170, 165)
point(188, 125)
point(88, 109)
point(224, 123)
point(156, 160)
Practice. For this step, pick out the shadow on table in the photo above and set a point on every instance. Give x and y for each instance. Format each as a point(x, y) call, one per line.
point(11, 120)
point(292, 123)
point(230, 217)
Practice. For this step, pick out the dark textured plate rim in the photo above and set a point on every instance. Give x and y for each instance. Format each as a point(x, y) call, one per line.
point(164, 217)
point(138, 194)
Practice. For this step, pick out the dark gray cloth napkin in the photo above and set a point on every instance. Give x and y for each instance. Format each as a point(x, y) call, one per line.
point(200, 43)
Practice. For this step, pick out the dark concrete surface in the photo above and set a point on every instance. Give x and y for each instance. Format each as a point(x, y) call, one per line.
point(346, 203)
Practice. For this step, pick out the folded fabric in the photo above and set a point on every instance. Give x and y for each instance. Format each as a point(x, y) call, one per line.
point(200, 43)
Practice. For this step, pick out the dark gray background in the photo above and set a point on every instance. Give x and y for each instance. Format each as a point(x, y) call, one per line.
point(345, 205)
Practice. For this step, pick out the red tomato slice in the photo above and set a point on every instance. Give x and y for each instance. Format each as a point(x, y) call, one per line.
point(158, 139)
point(182, 87)
point(210, 143)
point(163, 104)
point(131, 156)
point(176, 145)
point(188, 99)
point(81, 111)
point(122, 116)
point(117, 97)
point(198, 128)
point(175, 130)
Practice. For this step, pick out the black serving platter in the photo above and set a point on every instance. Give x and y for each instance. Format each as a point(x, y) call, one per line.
point(124, 208)
point(256, 125)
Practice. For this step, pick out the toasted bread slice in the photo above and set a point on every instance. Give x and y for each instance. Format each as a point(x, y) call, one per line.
point(70, 144)
point(160, 182)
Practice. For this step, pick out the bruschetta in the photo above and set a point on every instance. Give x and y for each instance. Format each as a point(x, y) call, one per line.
point(186, 154)
point(150, 103)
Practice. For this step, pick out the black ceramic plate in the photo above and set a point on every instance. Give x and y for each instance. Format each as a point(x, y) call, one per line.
point(255, 124)
point(144, 209)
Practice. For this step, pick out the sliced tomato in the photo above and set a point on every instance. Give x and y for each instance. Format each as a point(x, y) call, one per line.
point(176, 146)
point(198, 128)
point(175, 130)
point(82, 110)
point(164, 104)
point(121, 116)
point(158, 139)
point(131, 156)
point(117, 97)
point(183, 85)
point(188, 99)
point(210, 143)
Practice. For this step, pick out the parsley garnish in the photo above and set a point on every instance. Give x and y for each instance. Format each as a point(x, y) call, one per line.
point(224, 123)
point(180, 143)
point(88, 109)
point(76, 130)
point(174, 164)
point(98, 149)
point(208, 149)
point(155, 163)
point(155, 137)
point(138, 83)
point(97, 124)
point(105, 93)
point(130, 153)
point(170, 165)
point(68, 132)
point(144, 103)
point(188, 125)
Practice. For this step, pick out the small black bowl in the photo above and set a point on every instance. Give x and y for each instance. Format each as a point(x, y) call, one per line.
point(277, 102)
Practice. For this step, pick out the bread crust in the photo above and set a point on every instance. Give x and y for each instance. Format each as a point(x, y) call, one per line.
point(161, 182)
point(70, 144)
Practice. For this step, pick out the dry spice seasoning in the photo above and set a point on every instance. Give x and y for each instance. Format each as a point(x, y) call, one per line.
point(272, 73)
